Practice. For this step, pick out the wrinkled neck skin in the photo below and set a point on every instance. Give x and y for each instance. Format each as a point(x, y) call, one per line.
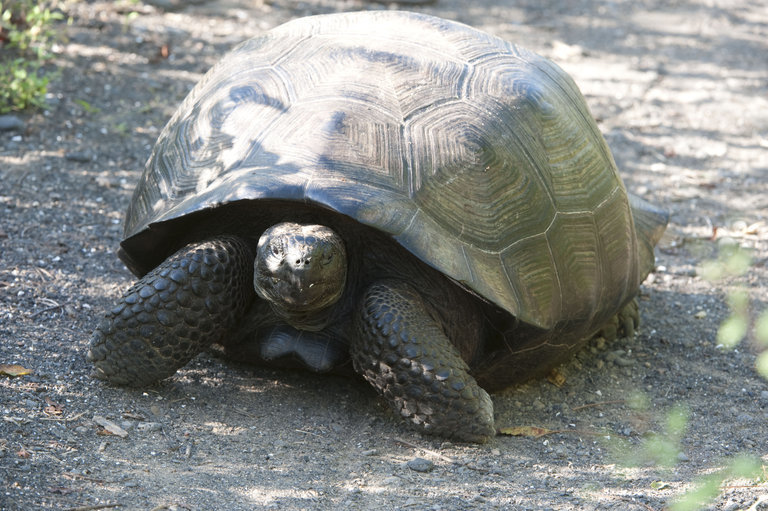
point(301, 270)
point(311, 321)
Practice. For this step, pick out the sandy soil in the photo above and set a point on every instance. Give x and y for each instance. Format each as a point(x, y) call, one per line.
point(680, 90)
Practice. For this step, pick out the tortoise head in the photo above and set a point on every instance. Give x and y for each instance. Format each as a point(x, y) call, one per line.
point(300, 269)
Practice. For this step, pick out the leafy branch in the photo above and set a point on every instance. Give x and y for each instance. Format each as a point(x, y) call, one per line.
point(26, 35)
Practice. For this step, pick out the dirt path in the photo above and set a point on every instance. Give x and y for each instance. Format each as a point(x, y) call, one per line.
point(680, 90)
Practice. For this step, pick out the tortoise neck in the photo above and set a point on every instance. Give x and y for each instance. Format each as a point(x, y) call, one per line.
point(311, 321)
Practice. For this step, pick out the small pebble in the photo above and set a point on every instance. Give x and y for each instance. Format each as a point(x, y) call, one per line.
point(623, 362)
point(681, 456)
point(420, 465)
point(10, 122)
point(149, 427)
point(739, 225)
point(78, 157)
point(392, 481)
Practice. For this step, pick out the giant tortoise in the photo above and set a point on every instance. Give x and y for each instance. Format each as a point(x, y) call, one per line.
point(384, 192)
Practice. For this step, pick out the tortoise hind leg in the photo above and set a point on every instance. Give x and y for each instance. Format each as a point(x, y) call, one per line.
point(408, 359)
point(174, 312)
point(623, 324)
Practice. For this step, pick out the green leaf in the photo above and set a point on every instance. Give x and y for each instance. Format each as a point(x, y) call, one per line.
point(87, 106)
point(639, 401)
point(711, 271)
point(732, 331)
point(739, 262)
point(761, 328)
point(761, 364)
point(695, 499)
point(738, 300)
point(745, 467)
point(677, 420)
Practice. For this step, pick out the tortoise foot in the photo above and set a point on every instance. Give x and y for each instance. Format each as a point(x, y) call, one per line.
point(285, 346)
point(623, 324)
point(408, 359)
point(173, 313)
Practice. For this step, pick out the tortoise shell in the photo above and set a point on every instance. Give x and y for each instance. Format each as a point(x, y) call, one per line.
point(477, 156)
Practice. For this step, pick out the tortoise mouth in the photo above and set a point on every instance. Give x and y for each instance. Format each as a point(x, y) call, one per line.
point(300, 268)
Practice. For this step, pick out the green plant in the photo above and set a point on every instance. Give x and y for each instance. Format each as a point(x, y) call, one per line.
point(708, 487)
point(656, 449)
point(662, 450)
point(734, 262)
point(26, 34)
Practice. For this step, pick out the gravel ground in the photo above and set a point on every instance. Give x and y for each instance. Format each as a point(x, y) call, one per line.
point(680, 90)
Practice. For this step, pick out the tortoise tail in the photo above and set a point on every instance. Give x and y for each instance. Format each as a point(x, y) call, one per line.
point(650, 224)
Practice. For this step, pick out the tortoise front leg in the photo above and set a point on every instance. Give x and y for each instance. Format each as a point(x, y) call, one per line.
point(408, 359)
point(174, 312)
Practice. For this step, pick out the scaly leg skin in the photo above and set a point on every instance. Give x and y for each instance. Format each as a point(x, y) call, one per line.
point(408, 359)
point(622, 324)
point(174, 312)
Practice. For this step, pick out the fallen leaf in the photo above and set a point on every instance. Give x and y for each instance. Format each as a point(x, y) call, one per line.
point(53, 407)
point(14, 370)
point(754, 228)
point(530, 431)
point(110, 427)
point(660, 485)
point(556, 378)
point(23, 453)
